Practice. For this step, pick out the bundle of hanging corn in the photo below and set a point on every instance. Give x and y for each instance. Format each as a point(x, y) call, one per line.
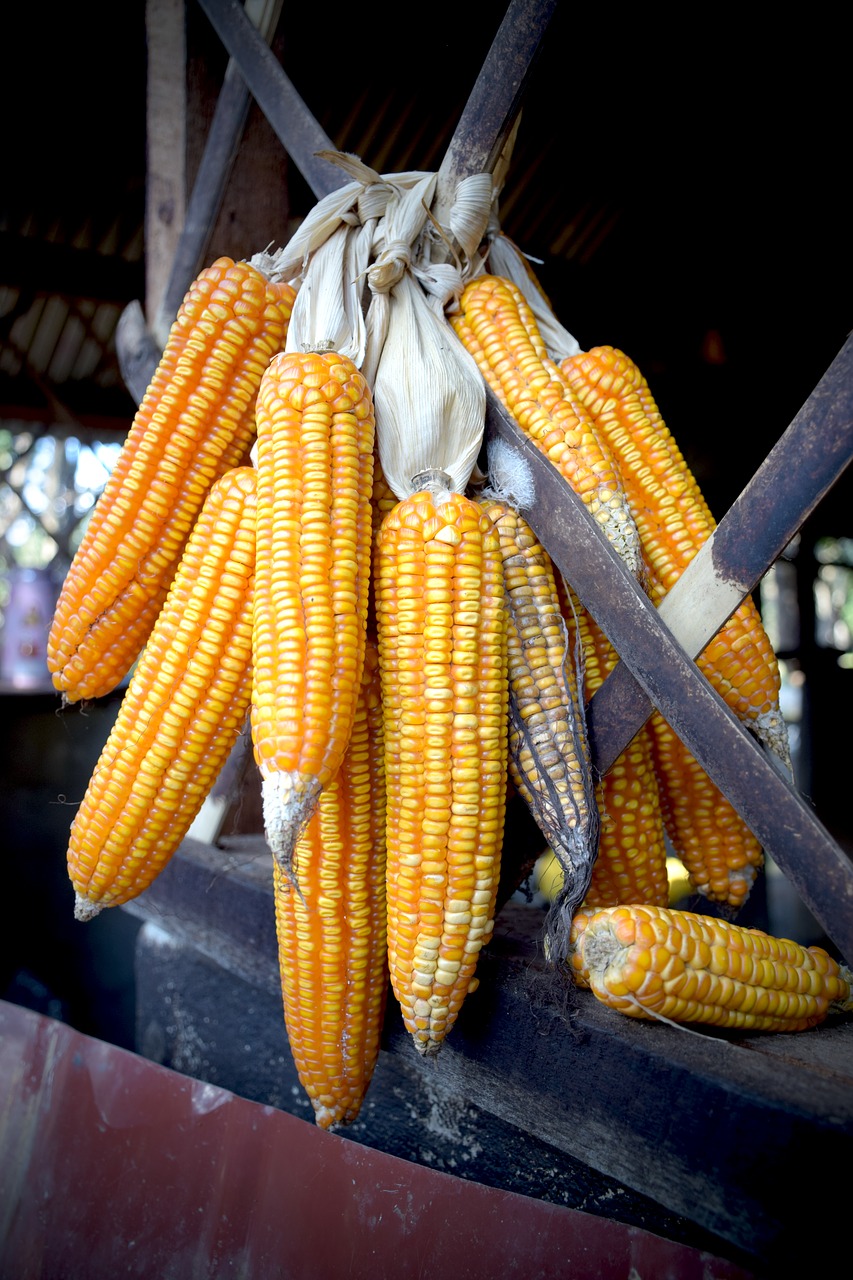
point(379, 611)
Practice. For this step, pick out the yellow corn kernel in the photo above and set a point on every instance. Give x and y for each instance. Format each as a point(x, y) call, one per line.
point(442, 628)
point(196, 421)
point(185, 706)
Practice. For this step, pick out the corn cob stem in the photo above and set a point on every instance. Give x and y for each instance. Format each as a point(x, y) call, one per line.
point(331, 931)
point(185, 706)
point(195, 422)
point(652, 962)
point(315, 474)
point(442, 628)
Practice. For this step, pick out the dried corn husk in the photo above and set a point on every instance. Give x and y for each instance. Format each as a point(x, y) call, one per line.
point(428, 393)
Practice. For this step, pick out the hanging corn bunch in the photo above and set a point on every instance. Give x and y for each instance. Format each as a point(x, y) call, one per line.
point(315, 476)
point(674, 522)
point(195, 422)
point(496, 325)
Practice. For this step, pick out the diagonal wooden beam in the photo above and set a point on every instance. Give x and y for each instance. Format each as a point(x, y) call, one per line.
point(294, 125)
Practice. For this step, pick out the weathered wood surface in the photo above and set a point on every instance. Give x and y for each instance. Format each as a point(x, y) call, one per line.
point(212, 177)
point(718, 1129)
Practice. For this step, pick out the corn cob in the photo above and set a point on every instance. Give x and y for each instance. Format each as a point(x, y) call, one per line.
point(657, 963)
point(549, 758)
point(498, 328)
point(331, 931)
point(674, 521)
point(720, 853)
point(195, 422)
point(442, 627)
point(315, 475)
point(185, 706)
point(631, 862)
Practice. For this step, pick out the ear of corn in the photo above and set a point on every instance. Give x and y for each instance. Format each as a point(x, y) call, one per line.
point(442, 627)
point(549, 759)
point(331, 930)
point(186, 704)
point(498, 328)
point(719, 852)
point(674, 521)
point(315, 475)
point(657, 963)
point(631, 862)
point(195, 422)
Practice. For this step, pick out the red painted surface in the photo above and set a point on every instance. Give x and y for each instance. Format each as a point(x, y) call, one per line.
point(112, 1166)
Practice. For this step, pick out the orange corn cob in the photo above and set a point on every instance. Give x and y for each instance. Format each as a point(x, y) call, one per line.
point(674, 521)
point(331, 930)
point(315, 475)
point(721, 855)
point(185, 706)
point(653, 962)
point(631, 863)
point(498, 328)
point(442, 626)
point(549, 758)
point(195, 422)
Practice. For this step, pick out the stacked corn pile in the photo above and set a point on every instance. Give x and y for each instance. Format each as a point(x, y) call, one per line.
point(298, 537)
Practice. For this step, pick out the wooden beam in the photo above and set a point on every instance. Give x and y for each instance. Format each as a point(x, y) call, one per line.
point(166, 187)
point(211, 180)
point(294, 125)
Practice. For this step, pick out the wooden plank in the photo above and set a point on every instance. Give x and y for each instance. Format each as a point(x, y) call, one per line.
point(786, 827)
point(166, 133)
point(220, 150)
point(495, 101)
point(712, 1125)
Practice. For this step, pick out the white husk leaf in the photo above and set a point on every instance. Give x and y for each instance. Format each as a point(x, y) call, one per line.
point(429, 396)
point(327, 314)
point(506, 259)
point(469, 215)
point(393, 247)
